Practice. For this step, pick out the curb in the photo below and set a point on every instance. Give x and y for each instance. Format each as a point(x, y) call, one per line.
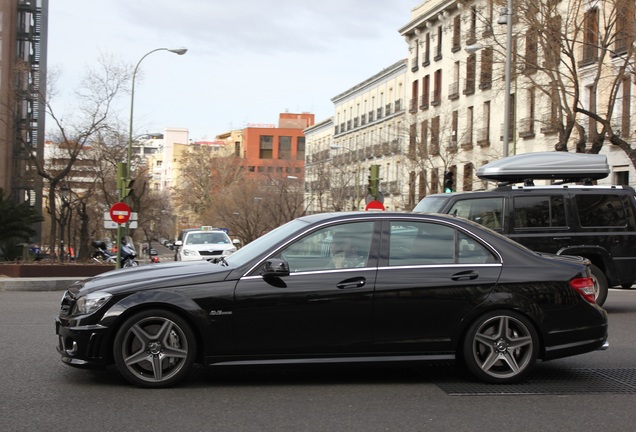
point(37, 284)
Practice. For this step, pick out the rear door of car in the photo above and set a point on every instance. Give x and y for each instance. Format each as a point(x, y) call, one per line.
point(607, 221)
point(541, 219)
point(430, 276)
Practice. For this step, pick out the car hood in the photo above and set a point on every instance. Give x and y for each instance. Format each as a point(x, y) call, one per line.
point(154, 276)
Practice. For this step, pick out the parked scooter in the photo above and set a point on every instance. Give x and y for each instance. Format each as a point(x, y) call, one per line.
point(127, 254)
point(101, 253)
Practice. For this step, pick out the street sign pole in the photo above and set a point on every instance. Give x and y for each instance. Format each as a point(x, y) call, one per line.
point(119, 213)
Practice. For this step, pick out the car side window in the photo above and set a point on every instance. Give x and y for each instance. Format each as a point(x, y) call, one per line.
point(334, 247)
point(597, 210)
point(425, 243)
point(485, 211)
point(539, 211)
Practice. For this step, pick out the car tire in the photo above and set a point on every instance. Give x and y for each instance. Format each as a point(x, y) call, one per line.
point(154, 348)
point(500, 347)
point(600, 285)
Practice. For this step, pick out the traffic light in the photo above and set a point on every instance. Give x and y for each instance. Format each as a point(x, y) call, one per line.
point(374, 180)
point(448, 182)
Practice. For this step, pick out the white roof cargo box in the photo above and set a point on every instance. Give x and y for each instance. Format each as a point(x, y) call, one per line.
point(569, 167)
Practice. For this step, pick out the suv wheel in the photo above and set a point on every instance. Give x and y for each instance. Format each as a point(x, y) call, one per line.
point(600, 285)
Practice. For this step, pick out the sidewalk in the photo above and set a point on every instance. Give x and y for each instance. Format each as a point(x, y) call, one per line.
point(36, 284)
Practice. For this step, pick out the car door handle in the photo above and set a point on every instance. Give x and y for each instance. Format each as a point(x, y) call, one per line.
point(352, 283)
point(465, 275)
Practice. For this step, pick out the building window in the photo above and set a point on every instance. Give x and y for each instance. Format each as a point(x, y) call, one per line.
point(300, 148)
point(423, 147)
point(485, 81)
point(468, 177)
point(435, 131)
point(427, 50)
point(438, 52)
point(437, 91)
point(284, 147)
point(471, 71)
point(266, 147)
point(624, 25)
point(590, 42)
point(426, 88)
point(414, 93)
point(457, 33)
point(531, 51)
point(626, 108)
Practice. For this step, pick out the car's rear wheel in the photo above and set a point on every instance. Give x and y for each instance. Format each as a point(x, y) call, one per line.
point(501, 347)
point(154, 348)
point(600, 285)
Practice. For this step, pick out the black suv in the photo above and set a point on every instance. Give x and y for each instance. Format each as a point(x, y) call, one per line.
point(596, 222)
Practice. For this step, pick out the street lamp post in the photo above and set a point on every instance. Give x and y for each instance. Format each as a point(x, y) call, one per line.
point(125, 174)
point(507, 102)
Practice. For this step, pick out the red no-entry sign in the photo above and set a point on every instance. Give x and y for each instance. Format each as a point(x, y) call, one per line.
point(120, 212)
point(374, 205)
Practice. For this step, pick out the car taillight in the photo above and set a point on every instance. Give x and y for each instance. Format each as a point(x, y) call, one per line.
point(585, 287)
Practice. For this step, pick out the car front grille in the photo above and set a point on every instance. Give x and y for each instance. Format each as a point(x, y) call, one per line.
point(210, 252)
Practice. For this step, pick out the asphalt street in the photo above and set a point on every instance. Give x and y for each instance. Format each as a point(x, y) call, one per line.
point(40, 393)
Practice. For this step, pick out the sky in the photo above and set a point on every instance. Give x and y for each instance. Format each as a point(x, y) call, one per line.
point(247, 60)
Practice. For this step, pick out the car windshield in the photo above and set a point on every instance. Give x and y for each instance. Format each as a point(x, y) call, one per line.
point(259, 246)
point(206, 238)
point(431, 204)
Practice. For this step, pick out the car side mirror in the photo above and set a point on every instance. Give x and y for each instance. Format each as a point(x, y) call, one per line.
point(178, 243)
point(275, 268)
point(236, 241)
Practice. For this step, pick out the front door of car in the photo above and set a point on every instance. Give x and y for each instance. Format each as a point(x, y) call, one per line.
point(324, 306)
point(430, 276)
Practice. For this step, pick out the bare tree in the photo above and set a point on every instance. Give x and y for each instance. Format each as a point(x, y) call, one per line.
point(96, 96)
point(579, 56)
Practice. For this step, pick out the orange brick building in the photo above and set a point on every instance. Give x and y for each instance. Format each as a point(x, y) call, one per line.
point(277, 149)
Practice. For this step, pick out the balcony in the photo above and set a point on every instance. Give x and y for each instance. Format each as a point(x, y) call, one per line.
point(453, 91)
point(424, 101)
point(526, 127)
point(483, 137)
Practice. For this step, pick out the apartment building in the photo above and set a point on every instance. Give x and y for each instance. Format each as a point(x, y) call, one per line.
point(457, 53)
point(367, 129)
point(23, 34)
point(276, 150)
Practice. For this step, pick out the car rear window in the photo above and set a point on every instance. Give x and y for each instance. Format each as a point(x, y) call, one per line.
point(596, 210)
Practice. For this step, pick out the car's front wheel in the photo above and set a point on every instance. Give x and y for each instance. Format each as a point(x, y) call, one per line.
point(154, 348)
point(501, 347)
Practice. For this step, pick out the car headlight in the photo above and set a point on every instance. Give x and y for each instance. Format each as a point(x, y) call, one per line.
point(190, 252)
point(91, 302)
point(229, 251)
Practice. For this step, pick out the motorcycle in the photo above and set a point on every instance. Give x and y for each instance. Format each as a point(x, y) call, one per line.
point(101, 253)
point(127, 254)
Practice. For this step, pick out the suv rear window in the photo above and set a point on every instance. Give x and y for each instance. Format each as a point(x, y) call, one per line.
point(600, 210)
point(539, 212)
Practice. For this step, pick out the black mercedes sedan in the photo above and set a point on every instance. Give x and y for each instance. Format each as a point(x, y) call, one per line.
point(356, 287)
